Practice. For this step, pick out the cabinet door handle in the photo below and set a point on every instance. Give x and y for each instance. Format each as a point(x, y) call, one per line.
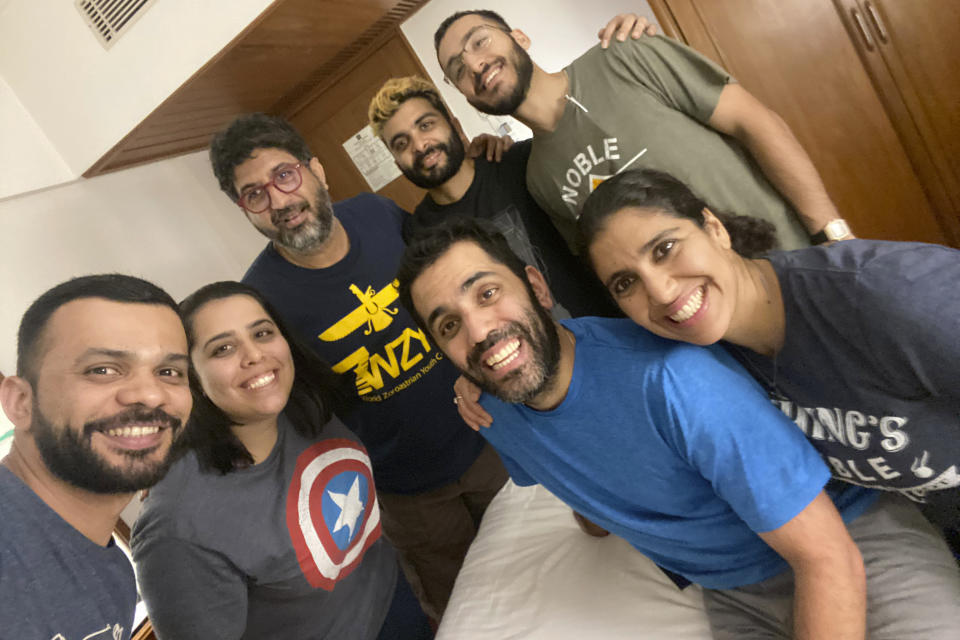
point(862, 28)
point(877, 22)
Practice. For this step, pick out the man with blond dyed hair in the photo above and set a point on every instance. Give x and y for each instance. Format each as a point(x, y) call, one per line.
point(428, 146)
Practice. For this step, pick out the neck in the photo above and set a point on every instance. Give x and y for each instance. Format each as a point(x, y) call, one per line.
point(758, 321)
point(556, 391)
point(545, 101)
point(456, 187)
point(258, 438)
point(332, 251)
point(93, 514)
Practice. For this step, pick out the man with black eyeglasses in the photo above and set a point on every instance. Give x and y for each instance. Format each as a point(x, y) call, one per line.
point(329, 269)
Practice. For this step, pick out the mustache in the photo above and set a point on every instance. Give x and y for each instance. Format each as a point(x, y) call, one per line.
point(131, 417)
point(276, 215)
point(420, 155)
point(511, 331)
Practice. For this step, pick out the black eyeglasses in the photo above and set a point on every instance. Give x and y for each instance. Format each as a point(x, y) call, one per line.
point(286, 178)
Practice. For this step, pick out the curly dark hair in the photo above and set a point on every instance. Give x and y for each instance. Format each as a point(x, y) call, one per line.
point(316, 393)
point(483, 13)
point(234, 145)
point(648, 189)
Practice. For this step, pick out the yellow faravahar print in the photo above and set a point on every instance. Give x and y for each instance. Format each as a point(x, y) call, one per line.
point(374, 311)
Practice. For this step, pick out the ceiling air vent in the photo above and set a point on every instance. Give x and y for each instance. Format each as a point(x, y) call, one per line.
point(109, 19)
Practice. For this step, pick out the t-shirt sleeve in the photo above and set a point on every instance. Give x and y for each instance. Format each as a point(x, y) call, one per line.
point(191, 593)
point(680, 77)
point(909, 317)
point(755, 459)
point(517, 474)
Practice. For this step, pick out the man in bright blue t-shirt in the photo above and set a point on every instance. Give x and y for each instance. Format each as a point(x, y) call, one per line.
point(671, 446)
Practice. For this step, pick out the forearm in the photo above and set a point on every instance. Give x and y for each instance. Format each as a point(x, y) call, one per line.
point(788, 168)
point(830, 600)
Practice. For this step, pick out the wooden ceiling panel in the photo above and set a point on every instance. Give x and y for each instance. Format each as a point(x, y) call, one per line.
point(293, 48)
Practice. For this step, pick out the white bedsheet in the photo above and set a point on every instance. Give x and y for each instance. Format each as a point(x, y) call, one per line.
point(532, 573)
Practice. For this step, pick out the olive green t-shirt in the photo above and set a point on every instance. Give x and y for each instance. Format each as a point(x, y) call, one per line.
point(645, 104)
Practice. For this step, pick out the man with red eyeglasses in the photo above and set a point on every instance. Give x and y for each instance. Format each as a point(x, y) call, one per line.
point(329, 270)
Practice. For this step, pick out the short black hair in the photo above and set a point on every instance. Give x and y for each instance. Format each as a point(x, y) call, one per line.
point(316, 392)
point(235, 145)
point(116, 287)
point(484, 13)
point(429, 243)
point(649, 189)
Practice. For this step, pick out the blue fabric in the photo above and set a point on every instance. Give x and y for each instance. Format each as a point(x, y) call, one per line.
point(673, 447)
point(349, 314)
point(54, 581)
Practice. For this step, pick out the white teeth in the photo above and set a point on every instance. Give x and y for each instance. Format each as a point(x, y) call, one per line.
point(132, 432)
point(505, 356)
point(263, 380)
point(490, 76)
point(692, 306)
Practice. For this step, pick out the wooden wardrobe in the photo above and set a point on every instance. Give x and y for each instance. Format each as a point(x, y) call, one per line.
point(870, 87)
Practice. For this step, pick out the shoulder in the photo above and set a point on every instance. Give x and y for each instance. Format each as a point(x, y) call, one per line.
point(263, 266)
point(174, 502)
point(368, 204)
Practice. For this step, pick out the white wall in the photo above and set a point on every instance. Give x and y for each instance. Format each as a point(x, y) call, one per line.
point(167, 222)
point(28, 160)
point(559, 30)
point(86, 98)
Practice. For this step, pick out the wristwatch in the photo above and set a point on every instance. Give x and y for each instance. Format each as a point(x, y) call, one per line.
point(836, 229)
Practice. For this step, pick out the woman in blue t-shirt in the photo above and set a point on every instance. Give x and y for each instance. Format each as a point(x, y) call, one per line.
point(856, 341)
point(267, 526)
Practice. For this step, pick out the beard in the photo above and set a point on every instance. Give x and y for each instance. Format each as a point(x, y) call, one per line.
point(508, 104)
point(312, 232)
point(70, 456)
point(439, 173)
point(535, 377)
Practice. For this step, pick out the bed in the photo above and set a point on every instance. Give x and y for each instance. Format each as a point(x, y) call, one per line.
point(532, 573)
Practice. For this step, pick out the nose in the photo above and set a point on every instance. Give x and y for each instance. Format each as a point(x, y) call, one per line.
point(477, 325)
point(144, 388)
point(280, 199)
point(250, 354)
point(661, 287)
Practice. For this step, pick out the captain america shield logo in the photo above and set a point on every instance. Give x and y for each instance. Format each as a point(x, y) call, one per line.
point(332, 512)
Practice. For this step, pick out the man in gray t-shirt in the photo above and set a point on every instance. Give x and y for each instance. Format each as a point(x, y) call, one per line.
point(646, 103)
point(99, 396)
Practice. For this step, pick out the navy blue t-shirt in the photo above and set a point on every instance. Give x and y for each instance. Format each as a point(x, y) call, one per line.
point(870, 365)
point(350, 314)
point(54, 581)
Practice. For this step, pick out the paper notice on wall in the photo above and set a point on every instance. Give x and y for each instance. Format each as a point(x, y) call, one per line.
point(372, 158)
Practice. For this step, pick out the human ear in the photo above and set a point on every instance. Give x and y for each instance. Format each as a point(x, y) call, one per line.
point(540, 288)
point(521, 38)
point(16, 396)
point(317, 169)
point(715, 229)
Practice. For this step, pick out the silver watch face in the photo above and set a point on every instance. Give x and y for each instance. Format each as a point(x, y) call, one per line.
point(836, 230)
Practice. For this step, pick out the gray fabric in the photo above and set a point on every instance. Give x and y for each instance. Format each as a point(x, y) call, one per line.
point(913, 585)
point(869, 366)
point(218, 555)
point(54, 581)
point(648, 102)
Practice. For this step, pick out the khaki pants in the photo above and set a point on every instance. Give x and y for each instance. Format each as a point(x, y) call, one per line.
point(432, 530)
point(913, 585)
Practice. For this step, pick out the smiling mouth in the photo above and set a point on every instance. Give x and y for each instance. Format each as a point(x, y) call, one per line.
point(132, 432)
point(691, 307)
point(507, 354)
point(261, 381)
point(489, 76)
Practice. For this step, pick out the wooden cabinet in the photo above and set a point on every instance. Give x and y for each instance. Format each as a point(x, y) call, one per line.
point(870, 87)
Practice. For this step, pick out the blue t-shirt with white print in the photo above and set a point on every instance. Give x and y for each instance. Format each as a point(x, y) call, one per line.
point(671, 446)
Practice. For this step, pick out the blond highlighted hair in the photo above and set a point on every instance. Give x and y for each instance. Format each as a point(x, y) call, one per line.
point(394, 93)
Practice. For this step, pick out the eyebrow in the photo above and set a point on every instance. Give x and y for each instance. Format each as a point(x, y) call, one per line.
point(463, 42)
point(272, 171)
point(227, 334)
point(120, 354)
point(469, 282)
point(643, 250)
